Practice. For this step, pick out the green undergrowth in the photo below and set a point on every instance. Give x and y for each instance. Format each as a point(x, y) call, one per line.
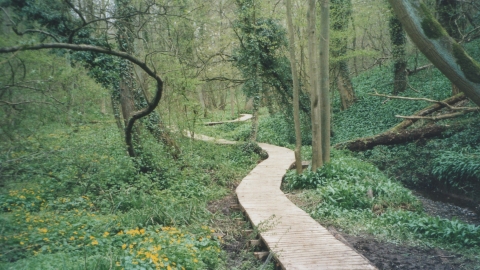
point(357, 197)
point(450, 162)
point(71, 198)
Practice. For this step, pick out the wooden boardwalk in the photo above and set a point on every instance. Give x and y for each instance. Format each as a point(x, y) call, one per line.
point(296, 240)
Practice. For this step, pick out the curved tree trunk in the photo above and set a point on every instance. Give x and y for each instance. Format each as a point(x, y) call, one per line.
point(435, 43)
point(132, 97)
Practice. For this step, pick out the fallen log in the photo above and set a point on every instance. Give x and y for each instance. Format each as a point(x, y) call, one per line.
point(390, 138)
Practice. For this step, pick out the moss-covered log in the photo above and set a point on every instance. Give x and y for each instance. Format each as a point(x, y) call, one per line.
point(391, 138)
point(441, 49)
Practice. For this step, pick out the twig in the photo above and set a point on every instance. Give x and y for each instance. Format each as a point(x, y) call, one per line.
point(440, 117)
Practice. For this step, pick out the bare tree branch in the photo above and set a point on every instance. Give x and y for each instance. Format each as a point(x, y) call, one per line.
point(453, 108)
point(439, 117)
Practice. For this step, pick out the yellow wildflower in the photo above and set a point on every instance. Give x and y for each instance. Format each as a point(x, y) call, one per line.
point(72, 238)
point(195, 261)
point(105, 234)
point(118, 264)
point(92, 237)
point(94, 242)
point(124, 246)
point(43, 230)
point(120, 233)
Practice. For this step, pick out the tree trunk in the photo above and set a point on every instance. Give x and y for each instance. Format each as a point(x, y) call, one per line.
point(345, 87)
point(341, 15)
point(131, 95)
point(324, 79)
point(115, 99)
point(254, 130)
point(447, 15)
point(314, 97)
point(296, 87)
point(435, 43)
point(398, 39)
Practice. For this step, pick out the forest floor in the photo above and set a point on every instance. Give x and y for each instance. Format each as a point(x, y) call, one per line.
point(386, 255)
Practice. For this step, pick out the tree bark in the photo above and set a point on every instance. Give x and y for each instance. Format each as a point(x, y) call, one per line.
point(341, 15)
point(345, 86)
point(435, 43)
point(296, 87)
point(314, 95)
point(398, 39)
point(324, 79)
point(447, 15)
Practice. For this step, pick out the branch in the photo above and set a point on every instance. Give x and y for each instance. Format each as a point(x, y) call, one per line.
point(428, 100)
point(82, 47)
point(76, 11)
point(223, 79)
point(13, 104)
point(34, 31)
point(440, 117)
point(411, 72)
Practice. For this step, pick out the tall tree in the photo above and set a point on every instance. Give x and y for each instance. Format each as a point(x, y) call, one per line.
point(317, 161)
point(447, 17)
point(341, 15)
point(442, 50)
point(296, 89)
point(325, 79)
point(398, 39)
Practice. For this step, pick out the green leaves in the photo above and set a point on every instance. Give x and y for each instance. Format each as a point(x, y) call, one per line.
point(457, 167)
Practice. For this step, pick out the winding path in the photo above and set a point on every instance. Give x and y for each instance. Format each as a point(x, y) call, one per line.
point(296, 240)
